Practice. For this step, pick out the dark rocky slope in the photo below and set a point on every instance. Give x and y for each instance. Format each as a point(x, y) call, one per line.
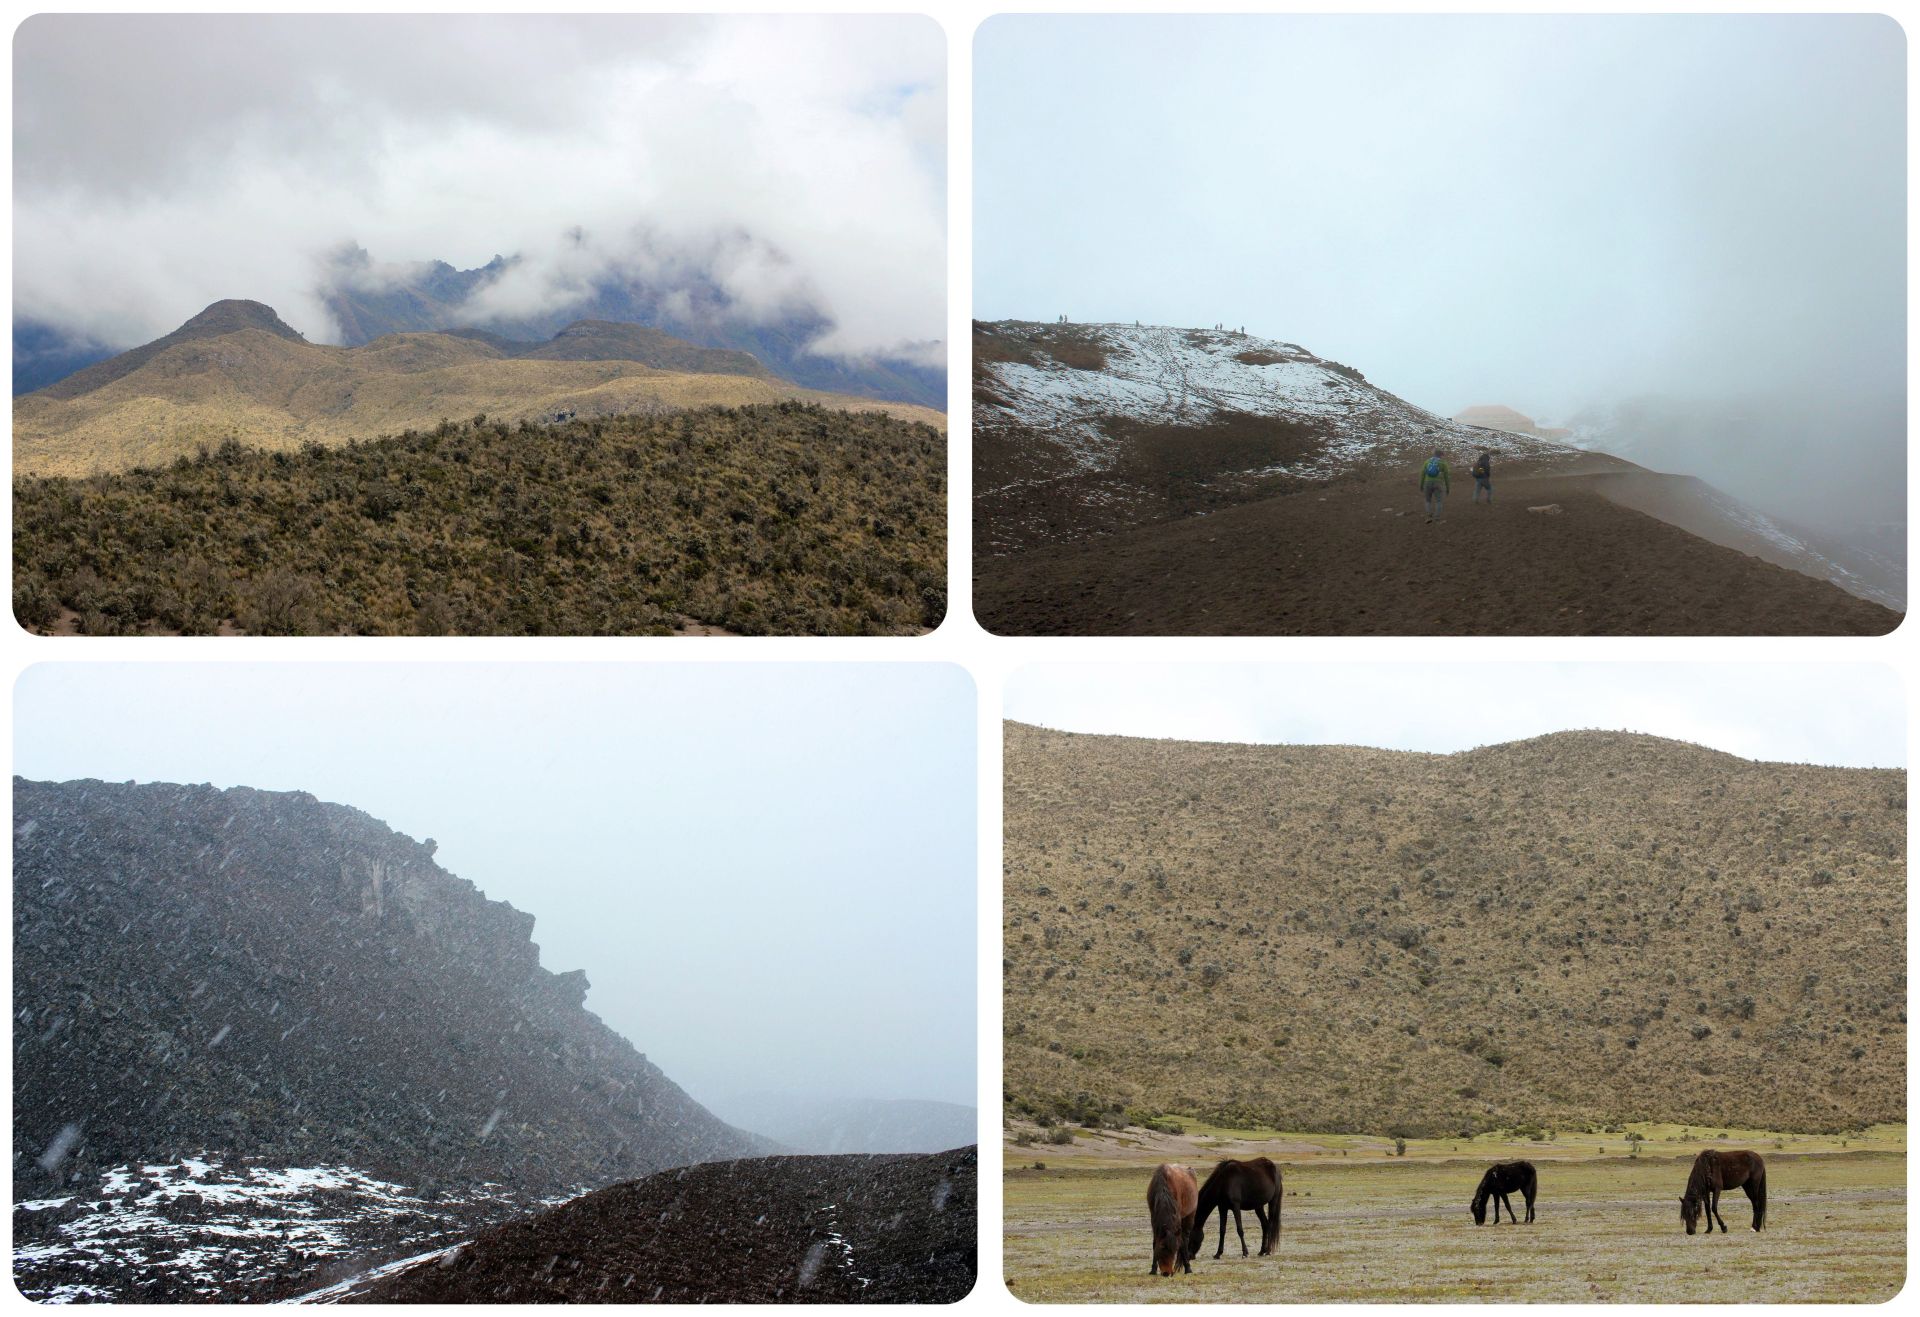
point(846, 1229)
point(266, 976)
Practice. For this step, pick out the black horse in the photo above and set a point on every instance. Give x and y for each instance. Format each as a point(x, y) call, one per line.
point(1501, 1179)
point(1232, 1187)
point(1714, 1171)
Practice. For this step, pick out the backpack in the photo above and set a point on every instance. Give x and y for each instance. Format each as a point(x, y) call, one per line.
point(1433, 468)
point(1480, 469)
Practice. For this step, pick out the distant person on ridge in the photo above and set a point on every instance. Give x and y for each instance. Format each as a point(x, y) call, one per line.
point(1436, 482)
point(1483, 476)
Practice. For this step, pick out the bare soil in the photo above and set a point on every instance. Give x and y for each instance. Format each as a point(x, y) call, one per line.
point(1361, 559)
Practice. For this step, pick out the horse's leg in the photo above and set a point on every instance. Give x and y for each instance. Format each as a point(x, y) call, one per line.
point(1527, 1193)
point(1241, 1230)
point(1223, 1232)
point(1757, 1195)
point(1714, 1206)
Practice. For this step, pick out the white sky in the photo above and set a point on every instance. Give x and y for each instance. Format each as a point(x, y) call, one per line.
point(1852, 715)
point(1542, 211)
point(766, 870)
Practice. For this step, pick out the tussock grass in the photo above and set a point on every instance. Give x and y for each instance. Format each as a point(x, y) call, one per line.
point(780, 519)
point(1562, 934)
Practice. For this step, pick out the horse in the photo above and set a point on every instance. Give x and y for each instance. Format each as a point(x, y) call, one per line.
point(1501, 1179)
point(1232, 1187)
point(1170, 1201)
point(1714, 1171)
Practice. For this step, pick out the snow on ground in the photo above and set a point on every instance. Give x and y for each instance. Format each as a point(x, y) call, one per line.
point(336, 1292)
point(204, 1228)
point(1158, 375)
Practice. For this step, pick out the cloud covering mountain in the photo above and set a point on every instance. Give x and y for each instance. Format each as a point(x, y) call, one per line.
point(795, 165)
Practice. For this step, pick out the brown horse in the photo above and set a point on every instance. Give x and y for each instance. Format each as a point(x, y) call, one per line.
point(1501, 1179)
point(1170, 1200)
point(1232, 1187)
point(1714, 1171)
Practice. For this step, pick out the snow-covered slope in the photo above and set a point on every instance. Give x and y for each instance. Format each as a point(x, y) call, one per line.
point(1154, 374)
point(1060, 411)
point(209, 1229)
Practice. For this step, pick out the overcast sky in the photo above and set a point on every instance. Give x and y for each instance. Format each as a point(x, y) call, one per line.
point(766, 871)
point(164, 162)
point(1545, 212)
point(1853, 714)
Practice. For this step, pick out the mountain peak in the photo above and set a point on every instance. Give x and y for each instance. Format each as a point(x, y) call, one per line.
point(232, 314)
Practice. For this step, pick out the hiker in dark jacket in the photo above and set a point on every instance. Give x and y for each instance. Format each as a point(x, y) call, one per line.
point(1436, 482)
point(1483, 476)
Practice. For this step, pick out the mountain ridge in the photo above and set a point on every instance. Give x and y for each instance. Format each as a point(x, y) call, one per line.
point(235, 371)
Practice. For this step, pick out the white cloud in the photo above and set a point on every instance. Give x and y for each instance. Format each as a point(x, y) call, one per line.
point(163, 163)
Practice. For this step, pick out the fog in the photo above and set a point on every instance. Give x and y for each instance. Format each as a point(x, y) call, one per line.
point(766, 871)
point(1699, 219)
point(1851, 715)
point(164, 162)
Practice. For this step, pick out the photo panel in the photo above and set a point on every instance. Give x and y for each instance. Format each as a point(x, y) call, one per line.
point(1375, 958)
point(478, 325)
point(501, 983)
point(1637, 282)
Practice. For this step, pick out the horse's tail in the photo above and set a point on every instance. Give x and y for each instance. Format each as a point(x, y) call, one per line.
point(1279, 1197)
point(1758, 1181)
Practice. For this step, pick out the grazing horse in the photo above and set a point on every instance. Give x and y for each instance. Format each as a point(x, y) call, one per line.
point(1170, 1201)
point(1501, 1179)
point(1713, 1171)
point(1232, 1187)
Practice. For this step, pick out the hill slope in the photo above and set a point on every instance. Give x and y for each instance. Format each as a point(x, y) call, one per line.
point(1088, 429)
point(370, 1007)
point(844, 1229)
point(784, 519)
point(254, 999)
point(235, 371)
point(1585, 927)
point(1357, 558)
point(1146, 480)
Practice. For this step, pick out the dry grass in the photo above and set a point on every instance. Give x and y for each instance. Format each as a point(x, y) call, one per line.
point(1076, 346)
point(1386, 1230)
point(1563, 933)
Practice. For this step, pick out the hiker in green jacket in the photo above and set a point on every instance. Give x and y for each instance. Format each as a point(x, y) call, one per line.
point(1436, 482)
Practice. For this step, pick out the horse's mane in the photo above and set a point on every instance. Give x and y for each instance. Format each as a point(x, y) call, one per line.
point(1699, 1180)
point(1161, 1200)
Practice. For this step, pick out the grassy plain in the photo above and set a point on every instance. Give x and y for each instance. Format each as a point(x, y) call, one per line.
point(1362, 1224)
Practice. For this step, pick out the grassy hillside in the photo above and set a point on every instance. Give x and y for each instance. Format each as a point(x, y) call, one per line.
point(787, 519)
point(266, 390)
point(1585, 928)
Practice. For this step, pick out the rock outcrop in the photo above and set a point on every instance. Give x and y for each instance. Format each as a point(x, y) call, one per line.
point(267, 977)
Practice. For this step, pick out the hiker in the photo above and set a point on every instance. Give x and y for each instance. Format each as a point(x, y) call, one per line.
point(1483, 476)
point(1436, 482)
